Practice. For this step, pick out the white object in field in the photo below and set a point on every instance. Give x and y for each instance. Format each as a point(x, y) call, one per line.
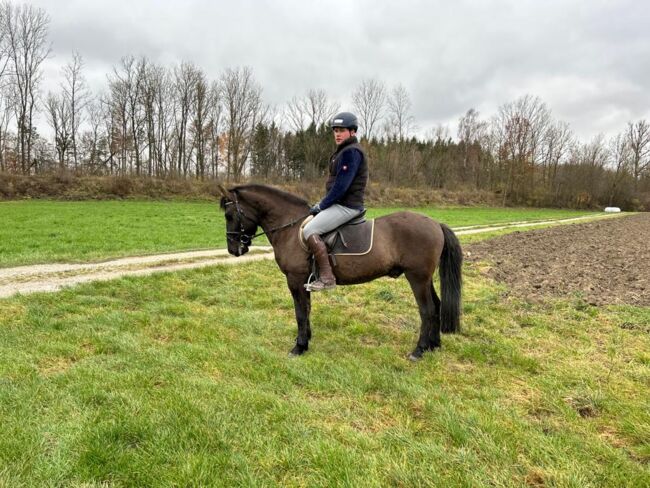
point(612, 209)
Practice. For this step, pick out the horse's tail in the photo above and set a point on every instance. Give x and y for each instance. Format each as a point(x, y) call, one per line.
point(451, 281)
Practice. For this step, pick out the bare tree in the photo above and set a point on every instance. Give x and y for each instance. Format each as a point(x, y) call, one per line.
point(186, 77)
point(470, 128)
point(471, 132)
point(5, 10)
point(164, 120)
point(243, 106)
point(638, 137)
point(594, 154)
point(620, 152)
point(126, 89)
point(519, 128)
point(91, 140)
point(200, 124)
point(588, 165)
point(155, 101)
point(400, 120)
point(5, 119)
point(321, 109)
point(439, 133)
point(296, 113)
point(113, 127)
point(314, 108)
point(5, 101)
point(25, 28)
point(150, 87)
point(556, 146)
point(135, 80)
point(60, 119)
point(215, 127)
point(120, 84)
point(369, 100)
point(77, 96)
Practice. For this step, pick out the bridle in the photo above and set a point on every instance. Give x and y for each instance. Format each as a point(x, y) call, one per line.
point(240, 236)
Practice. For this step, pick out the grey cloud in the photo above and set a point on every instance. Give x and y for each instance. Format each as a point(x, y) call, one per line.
point(587, 60)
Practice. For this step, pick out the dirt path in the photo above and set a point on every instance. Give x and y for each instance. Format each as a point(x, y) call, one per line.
point(604, 262)
point(53, 277)
point(477, 229)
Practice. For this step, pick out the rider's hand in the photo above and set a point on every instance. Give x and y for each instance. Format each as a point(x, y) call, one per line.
point(314, 210)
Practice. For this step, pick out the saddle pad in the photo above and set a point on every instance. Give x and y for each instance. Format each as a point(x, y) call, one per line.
point(351, 240)
point(347, 240)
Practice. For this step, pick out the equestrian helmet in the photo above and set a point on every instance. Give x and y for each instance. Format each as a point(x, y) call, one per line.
point(345, 120)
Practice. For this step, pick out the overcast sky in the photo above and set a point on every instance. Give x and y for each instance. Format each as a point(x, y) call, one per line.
point(588, 60)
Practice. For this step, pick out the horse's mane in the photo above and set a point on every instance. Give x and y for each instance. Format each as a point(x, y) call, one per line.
point(273, 192)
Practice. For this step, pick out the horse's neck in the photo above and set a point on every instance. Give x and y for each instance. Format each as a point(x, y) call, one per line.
point(276, 213)
point(280, 215)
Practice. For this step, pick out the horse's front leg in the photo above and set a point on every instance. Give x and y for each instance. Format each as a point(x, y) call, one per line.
point(302, 306)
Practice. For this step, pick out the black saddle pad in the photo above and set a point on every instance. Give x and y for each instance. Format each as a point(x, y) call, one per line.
point(352, 238)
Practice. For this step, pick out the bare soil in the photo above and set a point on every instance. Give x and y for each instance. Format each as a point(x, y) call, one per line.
point(604, 262)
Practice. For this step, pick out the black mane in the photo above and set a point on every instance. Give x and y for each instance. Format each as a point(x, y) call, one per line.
point(274, 192)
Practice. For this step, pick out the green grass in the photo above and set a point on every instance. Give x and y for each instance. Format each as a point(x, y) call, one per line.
point(52, 231)
point(182, 379)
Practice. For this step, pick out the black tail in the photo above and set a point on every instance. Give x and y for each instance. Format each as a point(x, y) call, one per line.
point(451, 281)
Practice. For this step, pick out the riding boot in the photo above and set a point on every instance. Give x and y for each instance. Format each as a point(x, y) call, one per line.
point(327, 280)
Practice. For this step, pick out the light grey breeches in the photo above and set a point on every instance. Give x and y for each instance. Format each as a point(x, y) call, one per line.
point(329, 219)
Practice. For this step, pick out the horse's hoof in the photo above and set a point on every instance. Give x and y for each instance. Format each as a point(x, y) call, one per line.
point(298, 350)
point(419, 351)
point(416, 355)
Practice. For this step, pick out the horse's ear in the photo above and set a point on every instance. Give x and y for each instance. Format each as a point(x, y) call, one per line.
point(223, 191)
point(225, 196)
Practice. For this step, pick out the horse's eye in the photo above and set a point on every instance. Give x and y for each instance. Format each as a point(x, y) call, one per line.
point(229, 218)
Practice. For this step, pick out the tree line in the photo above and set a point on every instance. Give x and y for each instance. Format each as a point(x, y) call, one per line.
point(172, 121)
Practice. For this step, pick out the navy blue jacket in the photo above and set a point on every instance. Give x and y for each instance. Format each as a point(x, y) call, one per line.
point(348, 176)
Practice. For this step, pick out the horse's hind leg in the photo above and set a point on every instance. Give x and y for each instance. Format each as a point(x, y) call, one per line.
point(429, 306)
point(436, 314)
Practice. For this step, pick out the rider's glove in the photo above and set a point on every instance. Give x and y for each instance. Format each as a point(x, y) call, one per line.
point(314, 210)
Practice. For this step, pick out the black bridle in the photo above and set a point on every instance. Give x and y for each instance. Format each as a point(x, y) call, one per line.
point(241, 237)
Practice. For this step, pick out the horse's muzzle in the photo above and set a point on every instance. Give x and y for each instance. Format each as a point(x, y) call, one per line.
point(239, 250)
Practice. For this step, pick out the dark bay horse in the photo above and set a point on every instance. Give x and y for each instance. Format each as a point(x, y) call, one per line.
point(404, 243)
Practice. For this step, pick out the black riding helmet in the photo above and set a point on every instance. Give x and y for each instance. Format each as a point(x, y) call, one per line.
point(346, 120)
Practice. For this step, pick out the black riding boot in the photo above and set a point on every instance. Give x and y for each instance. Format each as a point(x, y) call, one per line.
point(327, 280)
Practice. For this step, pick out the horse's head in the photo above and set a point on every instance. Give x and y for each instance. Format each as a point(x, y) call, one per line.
point(241, 223)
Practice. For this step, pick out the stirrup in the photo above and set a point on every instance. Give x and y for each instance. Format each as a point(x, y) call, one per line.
point(318, 285)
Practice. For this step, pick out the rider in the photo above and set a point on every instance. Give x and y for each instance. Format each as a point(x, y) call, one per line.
point(346, 186)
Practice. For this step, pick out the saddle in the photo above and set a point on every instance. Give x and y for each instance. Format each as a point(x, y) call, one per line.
point(354, 238)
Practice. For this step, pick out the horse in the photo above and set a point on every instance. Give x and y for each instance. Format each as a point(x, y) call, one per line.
point(404, 243)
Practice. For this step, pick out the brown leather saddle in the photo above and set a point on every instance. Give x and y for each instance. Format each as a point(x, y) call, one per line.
point(354, 238)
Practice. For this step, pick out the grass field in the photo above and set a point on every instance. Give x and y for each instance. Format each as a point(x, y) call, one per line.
point(52, 231)
point(182, 379)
